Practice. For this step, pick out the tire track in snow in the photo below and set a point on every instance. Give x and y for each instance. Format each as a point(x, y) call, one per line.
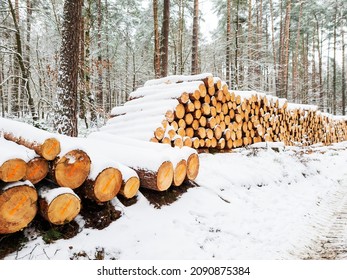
point(331, 239)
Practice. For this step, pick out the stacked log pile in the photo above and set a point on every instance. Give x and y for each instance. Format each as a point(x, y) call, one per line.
point(202, 112)
point(53, 175)
point(151, 142)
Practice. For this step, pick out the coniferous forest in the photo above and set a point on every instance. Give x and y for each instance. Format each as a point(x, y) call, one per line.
point(97, 52)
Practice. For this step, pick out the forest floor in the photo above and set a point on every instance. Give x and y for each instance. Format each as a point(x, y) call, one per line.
point(264, 202)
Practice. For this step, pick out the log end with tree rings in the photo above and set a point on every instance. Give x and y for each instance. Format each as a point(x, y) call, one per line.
point(180, 172)
point(37, 170)
point(50, 149)
point(13, 170)
point(130, 187)
point(193, 165)
point(107, 184)
point(18, 206)
point(180, 111)
point(72, 169)
point(165, 176)
point(62, 209)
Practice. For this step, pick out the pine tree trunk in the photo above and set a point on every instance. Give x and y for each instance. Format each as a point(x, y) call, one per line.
point(156, 40)
point(320, 70)
point(20, 59)
point(274, 53)
point(295, 75)
point(67, 121)
point(180, 35)
point(195, 41)
point(99, 96)
point(228, 51)
point(343, 78)
point(108, 64)
point(334, 62)
point(236, 58)
point(285, 60)
point(164, 50)
point(313, 69)
point(87, 67)
point(249, 43)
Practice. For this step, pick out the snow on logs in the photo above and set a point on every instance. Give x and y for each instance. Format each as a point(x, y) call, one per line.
point(42, 142)
point(201, 112)
point(155, 170)
point(57, 205)
point(20, 163)
point(18, 206)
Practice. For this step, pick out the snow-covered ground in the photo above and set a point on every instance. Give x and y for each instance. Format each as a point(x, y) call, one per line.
point(254, 203)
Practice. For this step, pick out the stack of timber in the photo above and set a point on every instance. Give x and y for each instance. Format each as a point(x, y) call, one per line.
point(201, 112)
point(54, 175)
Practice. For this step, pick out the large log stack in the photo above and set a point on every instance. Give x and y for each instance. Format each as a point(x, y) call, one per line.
point(151, 142)
point(202, 112)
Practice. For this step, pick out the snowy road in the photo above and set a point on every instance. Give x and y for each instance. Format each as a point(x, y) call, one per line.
point(332, 243)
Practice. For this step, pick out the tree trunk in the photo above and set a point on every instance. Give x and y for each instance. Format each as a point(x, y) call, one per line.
point(99, 96)
point(156, 40)
point(20, 59)
point(228, 51)
point(285, 60)
point(320, 70)
point(274, 54)
point(343, 78)
point(67, 118)
point(334, 62)
point(108, 65)
point(195, 40)
point(295, 76)
point(180, 35)
point(236, 58)
point(313, 70)
point(87, 66)
point(164, 50)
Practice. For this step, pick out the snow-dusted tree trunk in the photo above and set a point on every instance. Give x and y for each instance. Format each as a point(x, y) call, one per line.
point(195, 41)
point(343, 78)
point(165, 39)
point(156, 40)
point(66, 118)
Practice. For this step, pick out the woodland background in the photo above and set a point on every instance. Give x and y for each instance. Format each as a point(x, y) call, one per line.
point(288, 48)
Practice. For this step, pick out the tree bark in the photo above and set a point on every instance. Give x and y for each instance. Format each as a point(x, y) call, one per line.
point(164, 50)
point(99, 96)
point(20, 59)
point(195, 41)
point(334, 61)
point(228, 50)
point(343, 78)
point(67, 117)
point(156, 40)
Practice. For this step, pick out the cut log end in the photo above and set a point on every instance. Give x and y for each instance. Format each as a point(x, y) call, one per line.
point(130, 187)
point(13, 170)
point(107, 184)
point(193, 164)
point(180, 173)
point(62, 209)
point(50, 149)
point(37, 169)
point(18, 207)
point(165, 176)
point(72, 169)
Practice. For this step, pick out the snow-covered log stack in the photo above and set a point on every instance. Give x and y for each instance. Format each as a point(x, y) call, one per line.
point(76, 170)
point(200, 111)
